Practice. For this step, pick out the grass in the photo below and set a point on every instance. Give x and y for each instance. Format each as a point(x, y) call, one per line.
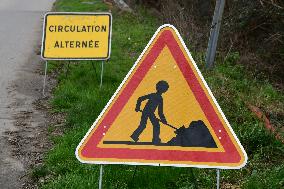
point(79, 97)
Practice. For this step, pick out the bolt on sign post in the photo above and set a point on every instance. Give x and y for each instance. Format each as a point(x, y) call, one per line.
point(76, 36)
point(163, 113)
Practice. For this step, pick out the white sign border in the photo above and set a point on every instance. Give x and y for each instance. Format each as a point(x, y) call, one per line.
point(158, 164)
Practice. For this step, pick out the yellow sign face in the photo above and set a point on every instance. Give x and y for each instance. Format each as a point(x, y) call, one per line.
point(75, 36)
point(179, 106)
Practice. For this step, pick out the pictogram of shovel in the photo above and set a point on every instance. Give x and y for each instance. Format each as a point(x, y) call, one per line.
point(177, 130)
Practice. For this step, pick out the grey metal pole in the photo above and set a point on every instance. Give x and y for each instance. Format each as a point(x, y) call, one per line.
point(214, 33)
point(218, 178)
point(44, 79)
point(101, 177)
point(102, 72)
point(68, 67)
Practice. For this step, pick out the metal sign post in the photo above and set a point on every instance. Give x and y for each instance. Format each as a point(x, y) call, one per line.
point(214, 33)
point(102, 72)
point(68, 68)
point(44, 79)
point(218, 178)
point(101, 177)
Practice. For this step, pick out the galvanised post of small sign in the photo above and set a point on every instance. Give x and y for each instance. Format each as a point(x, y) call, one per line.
point(214, 33)
point(76, 36)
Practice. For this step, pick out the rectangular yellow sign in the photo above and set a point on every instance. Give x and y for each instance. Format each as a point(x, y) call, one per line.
point(75, 36)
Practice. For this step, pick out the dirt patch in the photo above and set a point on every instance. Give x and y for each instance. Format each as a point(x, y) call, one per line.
point(30, 140)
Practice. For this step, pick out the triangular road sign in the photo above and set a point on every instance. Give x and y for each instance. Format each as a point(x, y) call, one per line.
point(163, 113)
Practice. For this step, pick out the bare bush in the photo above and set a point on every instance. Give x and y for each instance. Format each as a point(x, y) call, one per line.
point(252, 28)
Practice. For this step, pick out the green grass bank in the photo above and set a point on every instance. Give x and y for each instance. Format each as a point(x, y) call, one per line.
point(78, 96)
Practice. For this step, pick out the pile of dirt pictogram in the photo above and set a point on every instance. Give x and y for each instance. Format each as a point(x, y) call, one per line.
point(196, 135)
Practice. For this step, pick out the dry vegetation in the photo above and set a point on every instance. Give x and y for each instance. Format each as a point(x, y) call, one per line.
point(254, 29)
